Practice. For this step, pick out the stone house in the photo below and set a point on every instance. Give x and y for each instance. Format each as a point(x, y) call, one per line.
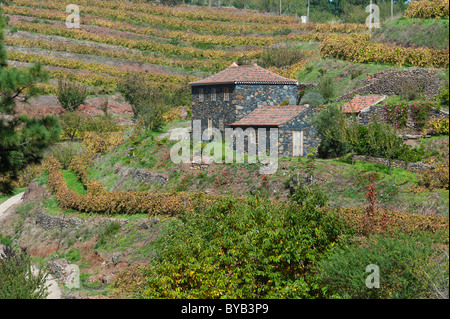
point(230, 95)
point(249, 96)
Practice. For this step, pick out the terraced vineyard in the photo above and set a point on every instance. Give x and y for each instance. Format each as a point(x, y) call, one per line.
point(175, 45)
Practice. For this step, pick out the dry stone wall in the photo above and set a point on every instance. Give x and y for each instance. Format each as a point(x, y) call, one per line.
point(392, 82)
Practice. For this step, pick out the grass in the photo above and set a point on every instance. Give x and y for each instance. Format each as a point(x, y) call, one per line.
point(73, 183)
point(431, 33)
point(397, 173)
point(347, 75)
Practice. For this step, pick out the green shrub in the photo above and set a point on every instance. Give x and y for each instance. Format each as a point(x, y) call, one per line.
point(309, 195)
point(281, 57)
point(71, 95)
point(64, 152)
point(327, 87)
point(329, 124)
point(400, 258)
point(444, 96)
point(242, 249)
point(17, 280)
point(411, 91)
point(5, 240)
point(313, 98)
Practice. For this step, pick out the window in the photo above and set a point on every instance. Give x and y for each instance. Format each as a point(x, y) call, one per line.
point(226, 94)
point(201, 95)
point(213, 94)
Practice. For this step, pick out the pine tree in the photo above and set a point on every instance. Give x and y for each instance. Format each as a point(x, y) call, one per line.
point(22, 139)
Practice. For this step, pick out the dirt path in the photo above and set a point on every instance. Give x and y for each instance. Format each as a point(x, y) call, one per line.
point(4, 207)
point(53, 288)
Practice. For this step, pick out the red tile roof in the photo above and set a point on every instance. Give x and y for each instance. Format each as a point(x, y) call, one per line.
point(359, 103)
point(270, 115)
point(245, 74)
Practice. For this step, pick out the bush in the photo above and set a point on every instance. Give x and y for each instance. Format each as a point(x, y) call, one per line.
point(99, 200)
point(147, 102)
point(329, 124)
point(435, 179)
point(100, 124)
point(399, 258)
point(411, 91)
point(281, 57)
point(64, 153)
point(313, 98)
point(150, 114)
point(309, 195)
point(231, 248)
point(444, 96)
point(397, 113)
point(72, 125)
point(71, 95)
point(17, 280)
point(439, 126)
point(327, 87)
point(425, 9)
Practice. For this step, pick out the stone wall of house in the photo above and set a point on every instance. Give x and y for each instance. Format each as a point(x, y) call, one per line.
point(299, 123)
point(246, 98)
point(219, 111)
point(243, 100)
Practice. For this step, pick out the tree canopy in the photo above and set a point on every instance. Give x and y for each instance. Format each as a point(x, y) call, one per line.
point(22, 139)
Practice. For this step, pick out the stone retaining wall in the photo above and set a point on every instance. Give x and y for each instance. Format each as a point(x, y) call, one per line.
point(392, 81)
point(379, 112)
point(49, 222)
point(417, 166)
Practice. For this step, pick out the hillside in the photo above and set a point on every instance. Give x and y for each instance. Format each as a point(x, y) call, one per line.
point(414, 32)
point(108, 198)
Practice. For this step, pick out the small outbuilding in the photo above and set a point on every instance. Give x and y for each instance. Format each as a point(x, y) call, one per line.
point(296, 135)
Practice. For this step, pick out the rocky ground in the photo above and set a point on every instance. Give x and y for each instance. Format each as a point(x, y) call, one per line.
point(49, 105)
point(55, 239)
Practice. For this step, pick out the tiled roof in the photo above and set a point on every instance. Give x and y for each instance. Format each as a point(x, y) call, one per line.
point(270, 115)
point(245, 74)
point(359, 103)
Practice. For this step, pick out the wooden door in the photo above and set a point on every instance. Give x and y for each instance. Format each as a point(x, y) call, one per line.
point(297, 143)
